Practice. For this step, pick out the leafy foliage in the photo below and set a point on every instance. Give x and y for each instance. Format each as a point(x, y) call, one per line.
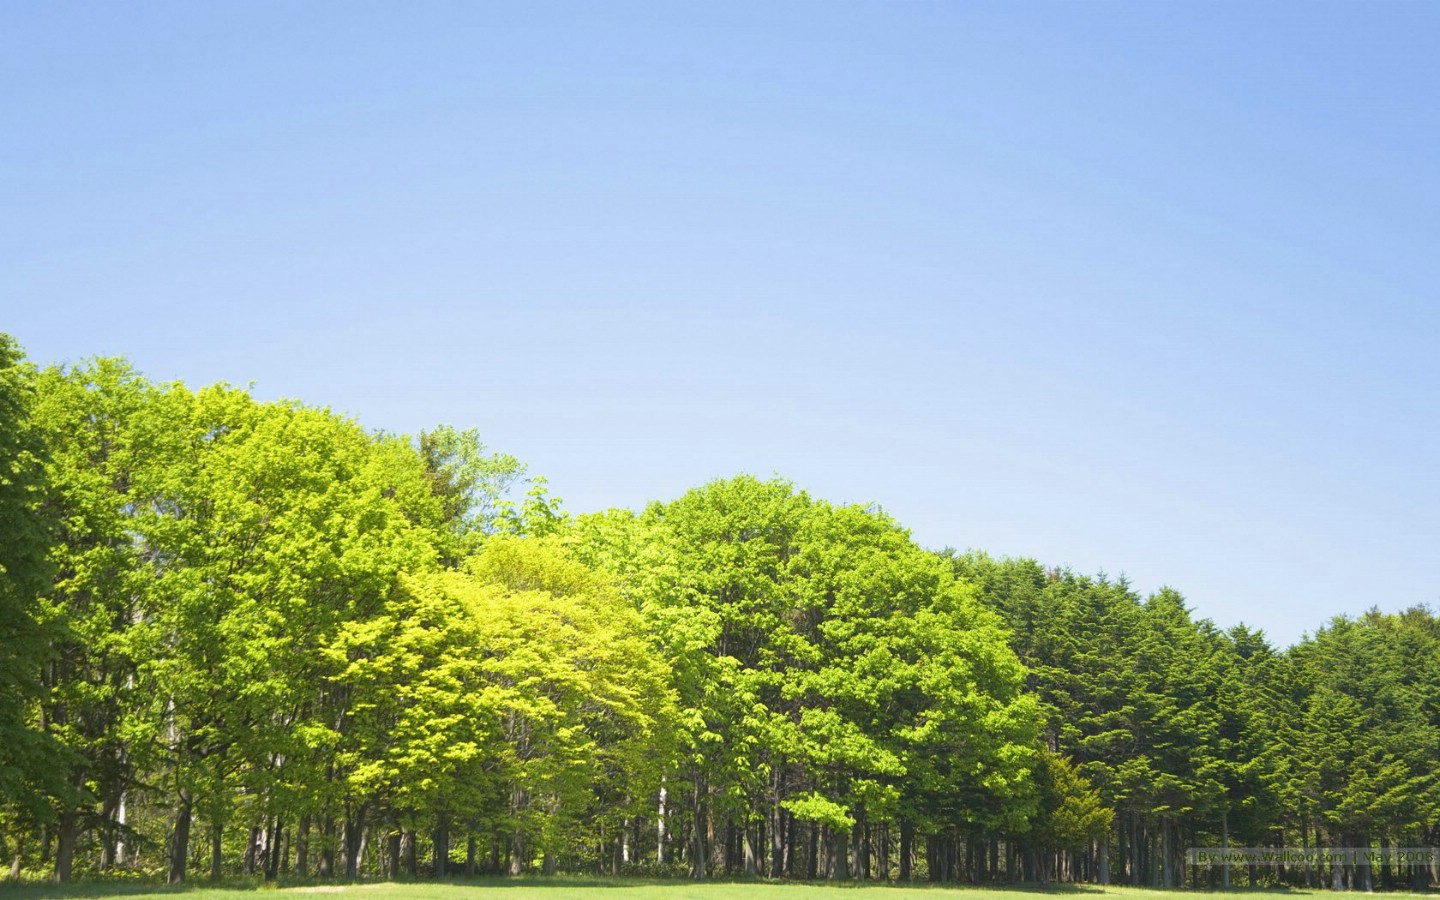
point(322, 648)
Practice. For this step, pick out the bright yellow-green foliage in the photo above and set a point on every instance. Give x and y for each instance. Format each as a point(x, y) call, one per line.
point(1072, 814)
point(522, 695)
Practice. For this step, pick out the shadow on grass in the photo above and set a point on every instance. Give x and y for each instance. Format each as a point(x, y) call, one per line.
point(118, 887)
point(97, 888)
point(563, 885)
point(40, 890)
point(600, 883)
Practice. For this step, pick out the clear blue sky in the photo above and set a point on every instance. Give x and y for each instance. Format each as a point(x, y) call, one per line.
point(1142, 287)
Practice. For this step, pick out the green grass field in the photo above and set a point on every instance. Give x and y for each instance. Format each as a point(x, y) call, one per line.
point(606, 889)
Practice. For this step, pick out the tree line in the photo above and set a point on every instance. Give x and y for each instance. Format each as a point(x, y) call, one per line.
point(254, 637)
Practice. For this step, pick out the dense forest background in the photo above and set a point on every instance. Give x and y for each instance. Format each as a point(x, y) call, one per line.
point(249, 637)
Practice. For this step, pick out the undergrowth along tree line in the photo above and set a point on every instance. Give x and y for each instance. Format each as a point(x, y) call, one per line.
point(239, 636)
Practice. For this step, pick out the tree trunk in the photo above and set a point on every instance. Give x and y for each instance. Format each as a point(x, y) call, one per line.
point(272, 858)
point(1363, 880)
point(441, 856)
point(248, 866)
point(180, 839)
point(354, 841)
point(217, 851)
point(698, 856)
point(66, 835)
point(789, 853)
point(360, 850)
point(17, 862)
point(1384, 878)
point(117, 848)
point(517, 854)
point(1420, 875)
point(1337, 873)
point(1122, 847)
point(777, 840)
point(752, 867)
point(392, 854)
point(840, 854)
point(1167, 873)
point(325, 866)
point(719, 859)
point(861, 846)
point(1225, 845)
point(302, 847)
point(907, 841)
point(660, 825)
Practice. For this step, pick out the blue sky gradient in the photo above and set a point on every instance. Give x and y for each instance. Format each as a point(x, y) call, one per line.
point(1142, 287)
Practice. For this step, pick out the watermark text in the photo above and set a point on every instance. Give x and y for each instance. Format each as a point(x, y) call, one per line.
point(1313, 856)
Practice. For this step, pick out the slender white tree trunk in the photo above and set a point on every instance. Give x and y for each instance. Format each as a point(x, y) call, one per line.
point(660, 827)
point(120, 832)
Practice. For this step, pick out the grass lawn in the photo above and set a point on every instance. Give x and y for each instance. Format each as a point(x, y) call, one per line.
point(561, 888)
